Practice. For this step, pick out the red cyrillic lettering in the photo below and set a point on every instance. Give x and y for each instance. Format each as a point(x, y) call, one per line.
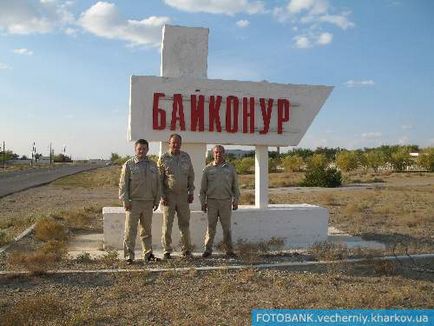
point(283, 113)
point(232, 101)
point(158, 124)
point(266, 109)
point(197, 113)
point(248, 115)
point(177, 113)
point(214, 115)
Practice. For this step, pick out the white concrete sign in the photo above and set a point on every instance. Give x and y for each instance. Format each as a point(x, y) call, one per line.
point(297, 226)
point(222, 111)
point(205, 111)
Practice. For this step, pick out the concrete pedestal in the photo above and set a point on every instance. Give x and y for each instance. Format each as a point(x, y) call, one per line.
point(298, 226)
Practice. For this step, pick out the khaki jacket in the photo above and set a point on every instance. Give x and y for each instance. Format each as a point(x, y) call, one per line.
point(219, 182)
point(176, 173)
point(139, 181)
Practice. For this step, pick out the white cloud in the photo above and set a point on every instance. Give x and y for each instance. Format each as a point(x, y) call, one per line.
point(305, 41)
point(315, 7)
point(243, 23)
point(341, 20)
point(372, 135)
point(227, 7)
point(71, 31)
point(27, 17)
point(314, 12)
point(324, 38)
point(359, 83)
point(23, 51)
point(308, 18)
point(302, 42)
point(4, 66)
point(104, 20)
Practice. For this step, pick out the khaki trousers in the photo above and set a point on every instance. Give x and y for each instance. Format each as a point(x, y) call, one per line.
point(140, 213)
point(176, 203)
point(219, 208)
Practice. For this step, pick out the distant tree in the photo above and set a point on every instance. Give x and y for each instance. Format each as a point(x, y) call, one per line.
point(8, 155)
point(330, 153)
point(304, 153)
point(61, 158)
point(122, 160)
point(244, 165)
point(230, 157)
point(322, 177)
point(114, 157)
point(317, 161)
point(273, 164)
point(24, 157)
point(293, 163)
point(426, 159)
point(347, 160)
point(400, 159)
point(153, 157)
point(374, 159)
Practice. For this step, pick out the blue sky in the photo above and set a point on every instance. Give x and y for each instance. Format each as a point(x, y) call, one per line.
point(65, 65)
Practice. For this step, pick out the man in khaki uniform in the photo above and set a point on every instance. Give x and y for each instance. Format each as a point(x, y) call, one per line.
point(219, 194)
point(177, 187)
point(139, 191)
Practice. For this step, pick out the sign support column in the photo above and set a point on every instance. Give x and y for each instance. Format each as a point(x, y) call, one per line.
point(184, 54)
point(261, 176)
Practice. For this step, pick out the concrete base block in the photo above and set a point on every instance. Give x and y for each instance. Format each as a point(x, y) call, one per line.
point(299, 226)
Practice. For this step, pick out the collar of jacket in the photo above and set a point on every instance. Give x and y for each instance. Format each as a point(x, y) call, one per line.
point(137, 160)
point(222, 163)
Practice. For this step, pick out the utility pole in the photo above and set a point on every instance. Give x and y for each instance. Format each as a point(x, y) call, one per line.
point(4, 155)
point(51, 156)
point(34, 153)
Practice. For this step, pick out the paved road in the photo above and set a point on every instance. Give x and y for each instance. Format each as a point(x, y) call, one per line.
point(20, 180)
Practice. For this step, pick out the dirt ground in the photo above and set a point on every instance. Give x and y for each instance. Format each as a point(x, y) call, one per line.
point(400, 212)
point(197, 298)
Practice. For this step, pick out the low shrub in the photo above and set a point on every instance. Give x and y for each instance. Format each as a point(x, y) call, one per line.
point(322, 177)
point(47, 229)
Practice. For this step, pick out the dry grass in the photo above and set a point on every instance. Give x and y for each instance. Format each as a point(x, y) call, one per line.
point(4, 238)
point(110, 258)
point(47, 229)
point(400, 216)
point(40, 260)
point(275, 180)
point(329, 251)
point(216, 298)
point(34, 310)
point(104, 177)
point(250, 252)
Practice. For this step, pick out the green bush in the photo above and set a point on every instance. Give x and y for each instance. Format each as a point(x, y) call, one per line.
point(317, 161)
point(246, 165)
point(347, 160)
point(400, 159)
point(374, 159)
point(426, 159)
point(273, 165)
point(293, 163)
point(322, 177)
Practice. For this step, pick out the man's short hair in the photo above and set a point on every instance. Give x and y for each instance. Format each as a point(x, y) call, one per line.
point(141, 142)
point(218, 146)
point(175, 135)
